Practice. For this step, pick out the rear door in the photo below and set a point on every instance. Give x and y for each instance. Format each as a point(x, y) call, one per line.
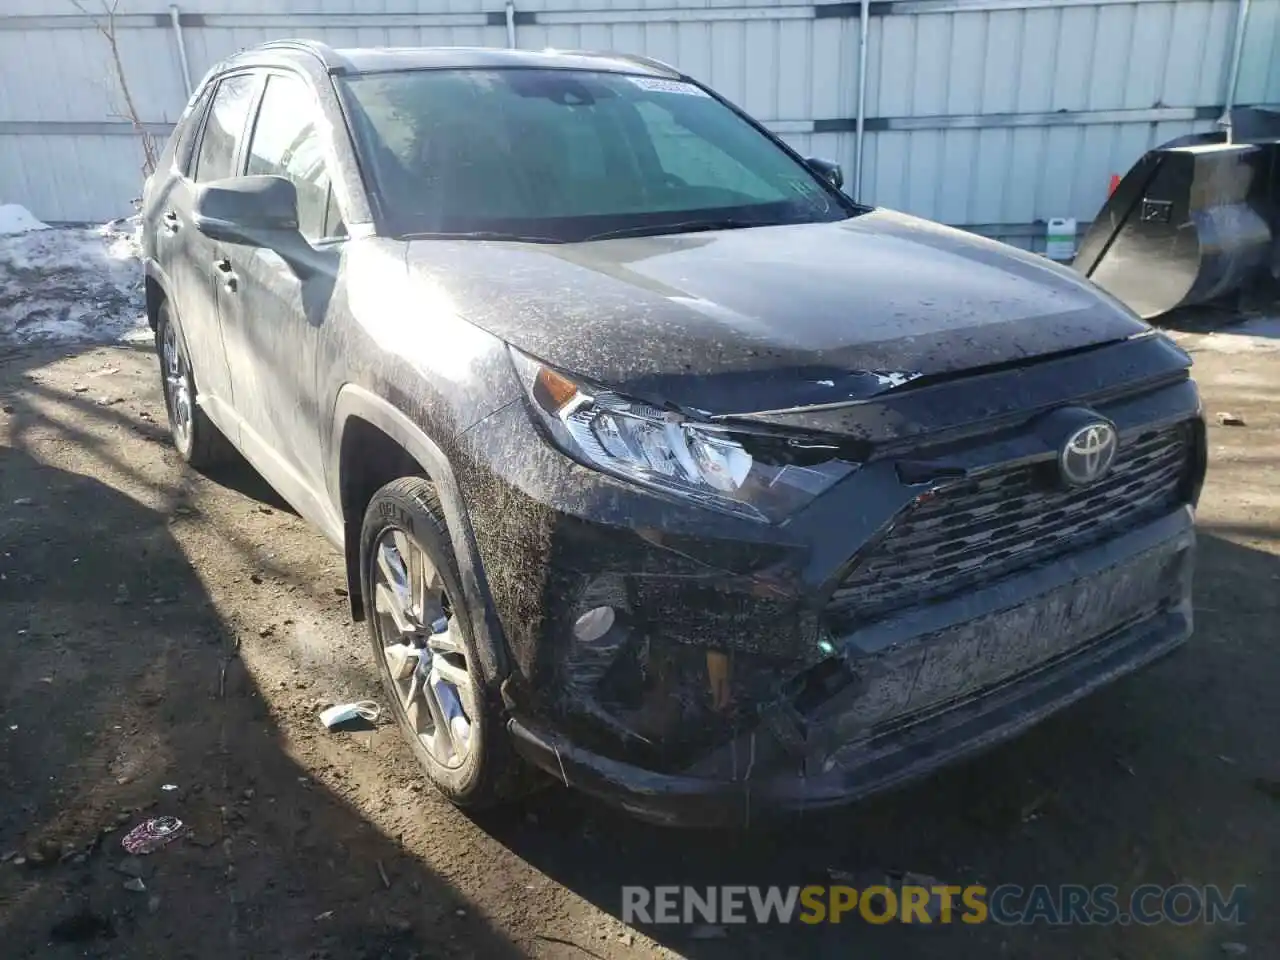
point(187, 256)
point(273, 320)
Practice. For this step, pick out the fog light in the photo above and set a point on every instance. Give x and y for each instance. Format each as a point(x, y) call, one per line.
point(594, 624)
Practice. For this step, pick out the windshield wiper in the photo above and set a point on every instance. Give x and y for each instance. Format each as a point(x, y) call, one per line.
point(686, 226)
point(479, 235)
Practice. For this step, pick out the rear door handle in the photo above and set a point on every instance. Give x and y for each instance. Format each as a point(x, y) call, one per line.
point(172, 222)
point(230, 281)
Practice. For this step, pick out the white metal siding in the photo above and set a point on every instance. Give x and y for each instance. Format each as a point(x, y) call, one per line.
point(986, 113)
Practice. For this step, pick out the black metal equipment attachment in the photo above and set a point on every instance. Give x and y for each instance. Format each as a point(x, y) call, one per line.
point(1194, 220)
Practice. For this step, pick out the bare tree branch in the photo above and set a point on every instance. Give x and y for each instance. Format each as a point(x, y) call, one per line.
point(105, 23)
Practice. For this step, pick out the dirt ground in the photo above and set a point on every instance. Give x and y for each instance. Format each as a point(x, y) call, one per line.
point(159, 628)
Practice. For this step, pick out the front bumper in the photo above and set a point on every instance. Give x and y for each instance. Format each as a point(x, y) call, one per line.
point(1087, 620)
point(808, 663)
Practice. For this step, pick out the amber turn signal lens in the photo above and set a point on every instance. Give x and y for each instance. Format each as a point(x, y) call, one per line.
point(553, 391)
point(719, 674)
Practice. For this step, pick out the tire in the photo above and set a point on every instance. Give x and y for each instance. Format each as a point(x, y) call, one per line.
point(197, 440)
point(490, 772)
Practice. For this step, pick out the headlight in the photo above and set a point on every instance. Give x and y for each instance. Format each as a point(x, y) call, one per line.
point(662, 449)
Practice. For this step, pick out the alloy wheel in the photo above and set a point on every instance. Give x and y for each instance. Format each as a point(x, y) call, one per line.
point(177, 386)
point(424, 656)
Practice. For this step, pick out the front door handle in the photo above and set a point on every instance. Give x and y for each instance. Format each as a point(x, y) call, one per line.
point(230, 281)
point(171, 222)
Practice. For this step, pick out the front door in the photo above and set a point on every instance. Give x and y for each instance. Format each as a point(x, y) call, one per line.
point(272, 319)
point(188, 257)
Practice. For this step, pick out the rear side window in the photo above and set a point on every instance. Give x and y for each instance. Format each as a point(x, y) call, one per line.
point(286, 143)
point(216, 156)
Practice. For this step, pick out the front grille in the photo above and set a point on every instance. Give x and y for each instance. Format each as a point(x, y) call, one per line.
point(979, 531)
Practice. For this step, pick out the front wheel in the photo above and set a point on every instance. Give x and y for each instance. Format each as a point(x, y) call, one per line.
point(423, 646)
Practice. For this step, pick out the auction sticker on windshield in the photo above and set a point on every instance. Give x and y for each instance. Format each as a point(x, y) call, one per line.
point(659, 85)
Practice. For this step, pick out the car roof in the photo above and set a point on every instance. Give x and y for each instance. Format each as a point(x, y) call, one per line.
point(358, 60)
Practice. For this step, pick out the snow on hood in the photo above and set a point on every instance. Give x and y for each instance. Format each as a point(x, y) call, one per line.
point(63, 284)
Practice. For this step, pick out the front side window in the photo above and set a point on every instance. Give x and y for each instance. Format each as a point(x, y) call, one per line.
point(232, 102)
point(565, 155)
point(188, 131)
point(286, 143)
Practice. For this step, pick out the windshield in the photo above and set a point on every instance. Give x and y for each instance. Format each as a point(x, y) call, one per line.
point(567, 155)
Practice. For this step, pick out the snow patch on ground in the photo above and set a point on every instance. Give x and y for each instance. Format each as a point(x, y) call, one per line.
point(16, 219)
point(63, 284)
point(1260, 333)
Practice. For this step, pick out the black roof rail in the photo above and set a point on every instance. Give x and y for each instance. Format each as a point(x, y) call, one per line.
point(635, 58)
point(321, 51)
point(648, 62)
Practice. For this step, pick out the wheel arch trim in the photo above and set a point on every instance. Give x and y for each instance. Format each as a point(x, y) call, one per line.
point(356, 402)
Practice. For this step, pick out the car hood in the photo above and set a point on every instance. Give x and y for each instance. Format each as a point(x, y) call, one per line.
point(767, 318)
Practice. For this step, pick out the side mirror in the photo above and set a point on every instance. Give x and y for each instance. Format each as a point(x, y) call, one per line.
point(827, 171)
point(260, 211)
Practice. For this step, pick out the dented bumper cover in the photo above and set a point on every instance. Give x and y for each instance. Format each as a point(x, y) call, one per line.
point(890, 627)
point(1081, 625)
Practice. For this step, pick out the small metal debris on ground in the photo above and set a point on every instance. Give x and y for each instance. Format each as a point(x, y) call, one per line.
point(24, 502)
point(129, 866)
point(169, 787)
point(152, 835)
point(135, 884)
point(1230, 420)
point(327, 915)
point(382, 872)
point(1234, 949)
point(344, 712)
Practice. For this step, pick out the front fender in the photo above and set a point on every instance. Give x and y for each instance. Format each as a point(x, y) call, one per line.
point(354, 401)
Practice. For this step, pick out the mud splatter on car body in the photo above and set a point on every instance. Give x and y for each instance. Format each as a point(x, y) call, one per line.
point(748, 664)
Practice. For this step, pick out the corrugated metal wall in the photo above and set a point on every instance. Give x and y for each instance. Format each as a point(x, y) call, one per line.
point(992, 114)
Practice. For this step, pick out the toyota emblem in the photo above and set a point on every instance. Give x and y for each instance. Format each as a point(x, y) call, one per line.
point(1088, 454)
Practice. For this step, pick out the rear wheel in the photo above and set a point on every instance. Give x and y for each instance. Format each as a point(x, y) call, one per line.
point(198, 441)
point(423, 646)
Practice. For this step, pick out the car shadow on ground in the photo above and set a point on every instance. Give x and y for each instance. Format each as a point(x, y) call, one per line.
point(121, 698)
point(1154, 780)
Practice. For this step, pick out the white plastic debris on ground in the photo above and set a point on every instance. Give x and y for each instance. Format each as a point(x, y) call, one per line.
point(62, 284)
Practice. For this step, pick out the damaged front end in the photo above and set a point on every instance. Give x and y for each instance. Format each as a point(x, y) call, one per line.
point(945, 590)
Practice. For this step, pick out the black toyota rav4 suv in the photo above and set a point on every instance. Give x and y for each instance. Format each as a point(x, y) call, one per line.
point(658, 463)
